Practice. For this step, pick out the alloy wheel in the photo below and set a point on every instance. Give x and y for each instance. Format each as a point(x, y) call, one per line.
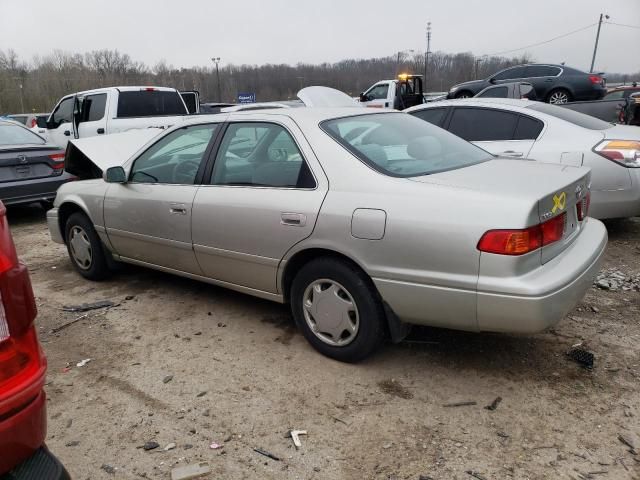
point(559, 97)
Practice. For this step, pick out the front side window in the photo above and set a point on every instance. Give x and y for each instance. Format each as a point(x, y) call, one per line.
point(379, 92)
point(400, 145)
point(434, 116)
point(175, 158)
point(258, 154)
point(93, 107)
point(510, 73)
point(483, 124)
point(63, 112)
point(542, 71)
point(495, 92)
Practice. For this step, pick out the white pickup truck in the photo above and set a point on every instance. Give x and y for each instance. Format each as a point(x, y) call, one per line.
point(114, 109)
point(403, 92)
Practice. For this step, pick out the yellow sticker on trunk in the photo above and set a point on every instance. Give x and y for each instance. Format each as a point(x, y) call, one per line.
point(559, 202)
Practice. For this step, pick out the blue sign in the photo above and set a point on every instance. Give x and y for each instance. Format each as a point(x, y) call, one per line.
point(246, 98)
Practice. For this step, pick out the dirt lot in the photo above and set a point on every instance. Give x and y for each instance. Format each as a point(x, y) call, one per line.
point(243, 376)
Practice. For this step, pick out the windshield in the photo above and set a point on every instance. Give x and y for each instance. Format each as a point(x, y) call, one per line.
point(577, 118)
point(401, 145)
point(16, 135)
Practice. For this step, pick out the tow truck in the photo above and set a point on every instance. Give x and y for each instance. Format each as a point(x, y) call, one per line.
point(403, 92)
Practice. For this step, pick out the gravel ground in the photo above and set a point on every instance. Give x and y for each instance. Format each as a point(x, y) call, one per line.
point(184, 363)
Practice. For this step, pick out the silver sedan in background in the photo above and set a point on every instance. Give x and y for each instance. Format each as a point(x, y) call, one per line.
point(363, 222)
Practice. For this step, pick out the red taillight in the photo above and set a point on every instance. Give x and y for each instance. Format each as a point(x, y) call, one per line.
point(582, 207)
point(22, 364)
point(150, 89)
point(58, 158)
point(595, 79)
point(521, 241)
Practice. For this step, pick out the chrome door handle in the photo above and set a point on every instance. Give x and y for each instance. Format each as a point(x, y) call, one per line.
point(511, 153)
point(293, 219)
point(177, 209)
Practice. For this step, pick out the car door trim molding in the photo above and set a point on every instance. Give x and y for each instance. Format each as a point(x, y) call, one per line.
point(150, 239)
point(245, 257)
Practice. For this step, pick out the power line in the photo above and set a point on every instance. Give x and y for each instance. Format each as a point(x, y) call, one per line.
point(544, 42)
point(622, 25)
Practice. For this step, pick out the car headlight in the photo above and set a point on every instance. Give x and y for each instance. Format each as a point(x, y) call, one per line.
point(623, 152)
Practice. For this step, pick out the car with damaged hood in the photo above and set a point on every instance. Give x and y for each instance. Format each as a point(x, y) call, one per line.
point(362, 234)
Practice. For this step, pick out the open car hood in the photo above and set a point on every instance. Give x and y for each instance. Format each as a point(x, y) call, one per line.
point(326, 97)
point(89, 157)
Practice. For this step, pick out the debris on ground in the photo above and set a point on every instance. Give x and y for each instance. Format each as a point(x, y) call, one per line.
point(108, 468)
point(475, 475)
point(201, 394)
point(72, 443)
point(150, 445)
point(170, 446)
point(167, 379)
point(581, 355)
point(425, 477)
point(216, 446)
point(68, 324)
point(494, 404)
point(629, 441)
point(460, 404)
point(295, 436)
point(613, 279)
point(85, 307)
point(266, 454)
point(82, 363)
point(187, 472)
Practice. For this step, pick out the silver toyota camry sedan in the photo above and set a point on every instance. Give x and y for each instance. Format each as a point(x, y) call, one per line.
point(364, 223)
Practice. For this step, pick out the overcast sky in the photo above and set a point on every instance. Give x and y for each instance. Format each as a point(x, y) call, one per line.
point(190, 32)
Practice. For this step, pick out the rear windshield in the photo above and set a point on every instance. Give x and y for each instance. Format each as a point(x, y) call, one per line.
point(577, 118)
point(19, 118)
point(150, 103)
point(401, 145)
point(17, 135)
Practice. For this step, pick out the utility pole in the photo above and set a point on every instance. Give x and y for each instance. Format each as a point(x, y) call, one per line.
point(21, 87)
point(478, 60)
point(426, 55)
point(595, 48)
point(216, 60)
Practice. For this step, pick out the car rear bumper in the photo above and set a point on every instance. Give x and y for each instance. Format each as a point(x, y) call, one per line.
point(23, 433)
point(28, 191)
point(42, 465)
point(54, 225)
point(540, 299)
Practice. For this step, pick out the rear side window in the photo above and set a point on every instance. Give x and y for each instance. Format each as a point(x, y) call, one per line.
point(12, 134)
point(615, 95)
point(150, 103)
point(542, 71)
point(93, 107)
point(528, 128)
point(577, 118)
point(431, 115)
point(495, 92)
point(478, 125)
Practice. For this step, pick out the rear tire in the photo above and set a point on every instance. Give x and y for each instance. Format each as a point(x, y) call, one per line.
point(559, 96)
point(85, 248)
point(463, 94)
point(338, 309)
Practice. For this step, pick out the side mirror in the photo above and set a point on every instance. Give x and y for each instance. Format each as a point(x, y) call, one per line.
point(115, 175)
point(492, 81)
point(50, 124)
point(363, 97)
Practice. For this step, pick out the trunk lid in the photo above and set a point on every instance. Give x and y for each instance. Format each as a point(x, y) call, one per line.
point(28, 162)
point(549, 189)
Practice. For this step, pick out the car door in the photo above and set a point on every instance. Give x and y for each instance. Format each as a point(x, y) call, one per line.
point(59, 129)
point(500, 132)
point(508, 75)
point(92, 119)
point(378, 96)
point(264, 196)
point(543, 78)
point(148, 218)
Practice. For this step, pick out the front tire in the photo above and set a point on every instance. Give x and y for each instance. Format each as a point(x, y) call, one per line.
point(463, 94)
point(338, 310)
point(85, 248)
point(559, 96)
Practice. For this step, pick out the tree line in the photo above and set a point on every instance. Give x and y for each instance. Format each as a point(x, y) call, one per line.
point(35, 85)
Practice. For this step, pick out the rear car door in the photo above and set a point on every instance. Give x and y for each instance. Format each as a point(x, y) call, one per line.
point(543, 78)
point(264, 196)
point(93, 115)
point(500, 132)
point(148, 218)
point(59, 128)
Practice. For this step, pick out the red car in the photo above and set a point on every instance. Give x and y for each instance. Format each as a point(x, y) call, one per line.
point(23, 417)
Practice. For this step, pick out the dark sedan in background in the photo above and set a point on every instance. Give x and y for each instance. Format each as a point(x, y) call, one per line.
point(31, 170)
point(553, 83)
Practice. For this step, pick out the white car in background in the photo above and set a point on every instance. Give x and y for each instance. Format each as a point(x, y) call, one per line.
point(548, 133)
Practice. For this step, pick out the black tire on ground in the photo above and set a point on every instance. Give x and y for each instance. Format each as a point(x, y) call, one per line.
point(46, 204)
point(463, 94)
point(96, 268)
point(559, 95)
point(371, 331)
